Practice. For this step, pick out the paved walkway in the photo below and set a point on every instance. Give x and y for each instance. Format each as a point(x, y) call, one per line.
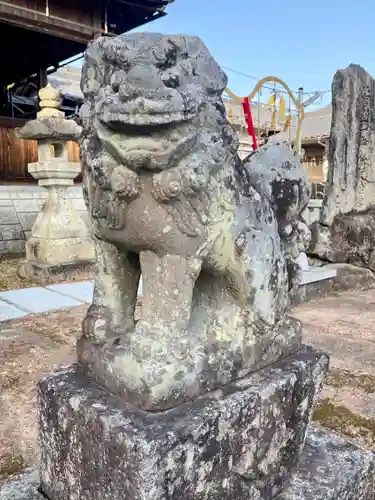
point(24, 301)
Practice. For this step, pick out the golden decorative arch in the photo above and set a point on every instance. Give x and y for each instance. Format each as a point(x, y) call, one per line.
point(297, 101)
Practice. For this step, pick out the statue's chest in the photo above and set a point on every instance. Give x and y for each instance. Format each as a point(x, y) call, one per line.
point(146, 223)
point(141, 222)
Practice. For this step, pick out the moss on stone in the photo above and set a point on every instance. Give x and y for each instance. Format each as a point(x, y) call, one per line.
point(343, 378)
point(341, 419)
point(11, 463)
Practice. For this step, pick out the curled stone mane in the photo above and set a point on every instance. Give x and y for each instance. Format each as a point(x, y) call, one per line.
point(192, 79)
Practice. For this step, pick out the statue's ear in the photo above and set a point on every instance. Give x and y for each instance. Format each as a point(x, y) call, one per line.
point(208, 72)
point(93, 69)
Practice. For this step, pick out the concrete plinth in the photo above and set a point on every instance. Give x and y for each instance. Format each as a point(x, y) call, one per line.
point(331, 468)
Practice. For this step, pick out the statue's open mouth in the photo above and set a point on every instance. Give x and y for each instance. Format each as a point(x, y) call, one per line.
point(147, 131)
point(119, 116)
point(147, 112)
point(139, 129)
point(144, 139)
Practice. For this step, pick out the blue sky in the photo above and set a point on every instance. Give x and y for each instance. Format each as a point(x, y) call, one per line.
point(301, 41)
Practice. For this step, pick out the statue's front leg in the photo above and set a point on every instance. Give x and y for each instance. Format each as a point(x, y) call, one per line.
point(153, 367)
point(168, 283)
point(115, 294)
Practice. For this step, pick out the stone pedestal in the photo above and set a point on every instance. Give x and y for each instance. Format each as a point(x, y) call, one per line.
point(330, 468)
point(242, 441)
point(59, 239)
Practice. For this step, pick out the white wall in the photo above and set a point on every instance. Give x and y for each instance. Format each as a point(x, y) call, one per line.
point(19, 207)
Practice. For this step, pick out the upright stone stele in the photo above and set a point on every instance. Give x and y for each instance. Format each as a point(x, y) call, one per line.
point(59, 238)
point(208, 395)
point(345, 232)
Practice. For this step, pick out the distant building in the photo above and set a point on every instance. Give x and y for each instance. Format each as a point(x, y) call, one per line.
point(316, 128)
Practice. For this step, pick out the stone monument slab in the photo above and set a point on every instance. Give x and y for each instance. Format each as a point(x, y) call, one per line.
point(345, 232)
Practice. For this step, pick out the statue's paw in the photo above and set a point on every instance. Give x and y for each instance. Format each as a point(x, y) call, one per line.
point(166, 186)
point(155, 342)
point(96, 325)
point(125, 183)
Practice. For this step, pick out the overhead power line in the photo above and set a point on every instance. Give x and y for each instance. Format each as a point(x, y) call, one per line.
point(240, 73)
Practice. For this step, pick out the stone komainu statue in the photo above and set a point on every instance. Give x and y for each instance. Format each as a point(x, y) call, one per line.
point(214, 238)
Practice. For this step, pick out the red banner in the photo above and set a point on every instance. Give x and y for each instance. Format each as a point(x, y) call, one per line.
point(249, 122)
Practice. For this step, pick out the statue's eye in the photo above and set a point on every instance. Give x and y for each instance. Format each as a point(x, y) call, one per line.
point(117, 79)
point(166, 56)
point(171, 81)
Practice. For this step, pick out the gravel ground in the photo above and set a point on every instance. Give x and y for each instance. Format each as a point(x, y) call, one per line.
point(344, 327)
point(29, 349)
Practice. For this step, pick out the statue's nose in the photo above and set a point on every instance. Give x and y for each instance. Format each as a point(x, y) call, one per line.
point(145, 77)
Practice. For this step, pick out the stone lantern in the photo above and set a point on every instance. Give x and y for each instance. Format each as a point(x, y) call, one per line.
point(59, 239)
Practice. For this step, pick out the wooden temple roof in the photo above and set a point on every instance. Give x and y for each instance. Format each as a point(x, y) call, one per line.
point(36, 34)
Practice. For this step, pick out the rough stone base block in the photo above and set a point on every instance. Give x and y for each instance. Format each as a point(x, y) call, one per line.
point(43, 273)
point(240, 442)
point(331, 468)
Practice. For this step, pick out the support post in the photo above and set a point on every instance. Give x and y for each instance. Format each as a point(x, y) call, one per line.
point(43, 79)
point(300, 115)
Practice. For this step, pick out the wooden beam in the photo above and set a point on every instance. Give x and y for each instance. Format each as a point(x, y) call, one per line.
point(39, 21)
point(144, 7)
point(7, 122)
